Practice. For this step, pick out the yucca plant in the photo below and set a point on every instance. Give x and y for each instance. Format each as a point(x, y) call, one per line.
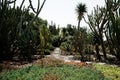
point(79, 37)
point(80, 10)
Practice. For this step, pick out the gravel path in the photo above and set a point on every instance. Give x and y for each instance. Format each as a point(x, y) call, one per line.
point(57, 54)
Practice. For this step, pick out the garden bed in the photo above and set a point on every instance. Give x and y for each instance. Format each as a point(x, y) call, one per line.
point(64, 72)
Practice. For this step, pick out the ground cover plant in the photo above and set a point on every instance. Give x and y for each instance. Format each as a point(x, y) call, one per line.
point(111, 72)
point(65, 72)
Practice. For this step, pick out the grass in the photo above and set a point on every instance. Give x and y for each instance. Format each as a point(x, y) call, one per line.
point(53, 69)
point(111, 72)
point(65, 72)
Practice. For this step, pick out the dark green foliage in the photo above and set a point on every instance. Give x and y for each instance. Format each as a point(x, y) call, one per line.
point(79, 41)
point(105, 20)
point(113, 27)
point(45, 41)
point(64, 72)
point(67, 44)
point(80, 9)
point(28, 39)
point(16, 36)
point(96, 40)
point(19, 30)
point(47, 52)
point(56, 40)
point(9, 18)
point(67, 38)
point(79, 36)
point(74, 41)
point(89, 50)
point(70, 29)
point(96, 23)
point(54, 35)
point(53, 30)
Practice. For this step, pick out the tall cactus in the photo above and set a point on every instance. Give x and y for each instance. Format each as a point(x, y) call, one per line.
point(107, 20)
point(15, 23)
point(113, 28)
point(96, 22)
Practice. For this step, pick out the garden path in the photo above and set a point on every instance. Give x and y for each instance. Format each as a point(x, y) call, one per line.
point(57, 54)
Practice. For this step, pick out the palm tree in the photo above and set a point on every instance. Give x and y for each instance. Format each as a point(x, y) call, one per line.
point(80, 10)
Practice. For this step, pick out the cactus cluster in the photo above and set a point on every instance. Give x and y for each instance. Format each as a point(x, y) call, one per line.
point(17, 32)
point(106, 21)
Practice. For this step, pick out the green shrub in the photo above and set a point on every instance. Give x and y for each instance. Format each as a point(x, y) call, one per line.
point(89, 50)
point(64, 72)
point(49, 46)
point(47, 52)
point(65, 46)
point(76, 57)
point(49, 62)
point(56, 40)
point(111, 72)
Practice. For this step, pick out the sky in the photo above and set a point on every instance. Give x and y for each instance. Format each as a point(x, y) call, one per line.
point(62, 12)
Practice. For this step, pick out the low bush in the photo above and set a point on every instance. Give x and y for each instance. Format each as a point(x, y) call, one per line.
point(47, 52)
point(76, 57)
point(111, 72)
point(49, 62)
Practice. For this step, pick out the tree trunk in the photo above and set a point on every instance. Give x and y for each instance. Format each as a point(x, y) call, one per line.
point(97, 52)
point(110, 45)
point(103, 48)
point(78, 25)
point(118, 55)
point(82, 57)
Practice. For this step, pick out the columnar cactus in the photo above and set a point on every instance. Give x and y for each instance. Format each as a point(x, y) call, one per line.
point(16, 26)
point(113, 8)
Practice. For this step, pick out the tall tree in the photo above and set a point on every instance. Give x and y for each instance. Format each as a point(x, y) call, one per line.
point(80, 10)
point(79, 37)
